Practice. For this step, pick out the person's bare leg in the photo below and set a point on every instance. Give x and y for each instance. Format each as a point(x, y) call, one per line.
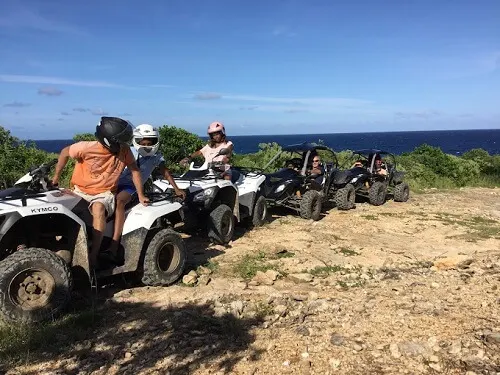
point(121, 200)
point(99, 225)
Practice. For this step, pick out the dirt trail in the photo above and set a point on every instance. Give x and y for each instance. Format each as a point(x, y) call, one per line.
point(402, 288)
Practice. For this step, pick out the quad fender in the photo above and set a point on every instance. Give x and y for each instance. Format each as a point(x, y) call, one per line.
point(79, 256)
point(229, 195)
point(145, 216)
point(138, 229)
point(248, 191)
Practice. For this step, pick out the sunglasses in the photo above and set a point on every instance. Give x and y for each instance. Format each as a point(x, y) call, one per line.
point(214, 134)
point(315, 161)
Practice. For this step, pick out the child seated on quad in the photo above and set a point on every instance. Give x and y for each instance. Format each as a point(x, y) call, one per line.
point(97, 170)
point(146, 142)
point(217, 141)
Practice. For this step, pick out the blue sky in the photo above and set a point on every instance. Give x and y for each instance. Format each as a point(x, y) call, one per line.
point(261, 67)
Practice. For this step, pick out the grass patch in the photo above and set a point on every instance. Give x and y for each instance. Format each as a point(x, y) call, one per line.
point(212, 265)
point(262, 309)
point(388, 214)
point(478, 227)
point(324, 271)
point(369, 217)
point(18, 342)
point(248, 266)
point(348, 252)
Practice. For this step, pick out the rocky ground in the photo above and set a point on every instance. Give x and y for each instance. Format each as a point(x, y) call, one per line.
point(405, 288)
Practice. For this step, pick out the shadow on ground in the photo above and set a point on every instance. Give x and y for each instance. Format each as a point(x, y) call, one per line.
point(129, 338)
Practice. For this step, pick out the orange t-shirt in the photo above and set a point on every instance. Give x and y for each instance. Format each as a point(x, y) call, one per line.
point(97, 170)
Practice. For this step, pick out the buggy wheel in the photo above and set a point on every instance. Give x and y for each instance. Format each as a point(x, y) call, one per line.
point(35, 286)
point(401, 192)
point(310, 205)
point(221, 224)
point(260, 213)
point(345, 197)
point(377, 193)
point(165, 259)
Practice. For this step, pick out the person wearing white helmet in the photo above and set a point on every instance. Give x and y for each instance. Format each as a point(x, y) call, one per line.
point(146, 142)
point(217, 141)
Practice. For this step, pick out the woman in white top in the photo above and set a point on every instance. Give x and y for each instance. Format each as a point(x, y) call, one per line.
point(217, 141)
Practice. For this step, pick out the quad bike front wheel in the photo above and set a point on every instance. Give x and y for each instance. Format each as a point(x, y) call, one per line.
point(260, 213)
point(165, 259)
point(35, 286)
point(401, 192)
point(310, 205)
point(377, 193)
point(221, 224)
point(345, 197)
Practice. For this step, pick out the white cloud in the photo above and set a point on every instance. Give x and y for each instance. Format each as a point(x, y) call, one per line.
point(17, 16)
point(55, 81)
point(49, 91)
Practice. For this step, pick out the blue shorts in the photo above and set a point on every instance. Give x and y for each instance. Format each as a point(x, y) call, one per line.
point(128, 188)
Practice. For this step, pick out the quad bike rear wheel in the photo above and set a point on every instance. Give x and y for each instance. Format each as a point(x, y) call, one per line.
point(221, 224)
point(260, 213)
point(345, 198)
point(401, 192)
point(35, 286)
point(165, 259)
point(310, 205)
point(377, 193)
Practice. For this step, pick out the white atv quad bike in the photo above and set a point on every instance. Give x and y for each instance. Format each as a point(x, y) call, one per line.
point(224, 202)
point(45, 237)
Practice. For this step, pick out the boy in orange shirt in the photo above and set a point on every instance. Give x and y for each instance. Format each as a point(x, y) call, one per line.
point(98, 168)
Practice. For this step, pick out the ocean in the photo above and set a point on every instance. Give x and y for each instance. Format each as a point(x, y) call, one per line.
point(450, 141)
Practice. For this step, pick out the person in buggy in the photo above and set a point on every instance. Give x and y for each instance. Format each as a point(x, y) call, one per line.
point(97, 171)
point(146, 143)
point(217, 141)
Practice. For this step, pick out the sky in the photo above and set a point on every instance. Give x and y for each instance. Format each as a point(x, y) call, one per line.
point(260, 67)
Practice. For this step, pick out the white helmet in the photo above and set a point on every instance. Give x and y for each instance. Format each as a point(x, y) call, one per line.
point(146, 131)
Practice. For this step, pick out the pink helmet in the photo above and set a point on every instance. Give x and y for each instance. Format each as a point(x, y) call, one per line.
point(215, 127)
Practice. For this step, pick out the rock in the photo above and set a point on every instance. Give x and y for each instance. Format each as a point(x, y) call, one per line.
point(286, 363)
point(434, 285)
point(273, 274)
point(189, 279)
point(303, 330)
point(318, 305)
point(337, 339)
point(334, 363)
point(357, 347)
point(281, 310)
point(265, 278)
point(204, 270)
point(493, 337)
point(434, 358)
point(204, 279)
point(435, 366)
point(193, 273)
point(301, 277)
point(412, 348)
point(394, 349)
point(237, 307)
point(455, 348)
point(128, 355)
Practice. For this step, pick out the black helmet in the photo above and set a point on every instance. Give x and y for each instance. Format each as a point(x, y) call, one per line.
point(113, 132)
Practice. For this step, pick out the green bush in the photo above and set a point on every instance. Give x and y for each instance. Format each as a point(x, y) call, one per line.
point(426, 166)
point(176, 144)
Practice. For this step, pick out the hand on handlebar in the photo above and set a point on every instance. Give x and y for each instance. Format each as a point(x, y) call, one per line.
point(180, 193)
point(184, 162)
point(144, 200)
